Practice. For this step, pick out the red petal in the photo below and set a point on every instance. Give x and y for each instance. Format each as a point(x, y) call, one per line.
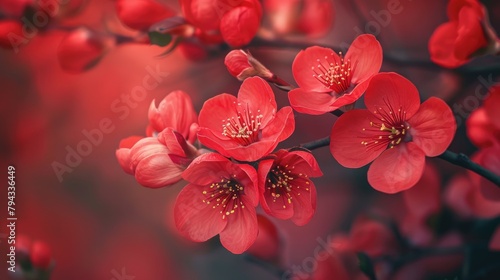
point(174, 141)
point(207, 168)
point(215, 110)
point(281, 127)
point(175, 111)
point(302, 68)
point(390, 92)
point(239, 25)
point(350, 97)
point(304, 203)
point(249, 179)
point(470, 36)
point(347, 135)
point(365, 54)
point(256, 94)
point(424, 199)
point(442, 44)
point(316, 18)
point(241, 230)
point(272, 208)
point(397, 169)
point(236, 62)
point(455, 6)
point(433, 127)
point(310, 102)
point(489, 158)
point(303, 162)
point(195, 219)
point(130, 141)
point(157, 171)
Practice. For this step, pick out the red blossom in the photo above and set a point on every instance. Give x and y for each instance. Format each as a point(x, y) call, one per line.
point(328, 81)
point(159, 160)
point(246, 128)
point(286, 192)
point(220, 199)
point(141, 14)
point(454, 43)
point(236, 21)
point(395, 132)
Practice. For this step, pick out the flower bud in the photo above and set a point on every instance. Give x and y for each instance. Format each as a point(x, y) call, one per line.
point(10, 31)
point(141, 14)
point(80, 50)
point(243, 65)
point(41, 256)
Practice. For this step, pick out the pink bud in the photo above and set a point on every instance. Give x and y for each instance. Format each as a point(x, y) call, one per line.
point(243, 65)
point(80, 50)
point(141, 14)
point(41, 256)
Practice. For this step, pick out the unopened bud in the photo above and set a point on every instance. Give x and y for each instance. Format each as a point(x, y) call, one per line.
point(243, 65)
point(80, 50)
point(41, 257)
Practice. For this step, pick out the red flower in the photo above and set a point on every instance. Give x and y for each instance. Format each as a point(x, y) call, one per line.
point(220, 199)
point(159, 160)
point(175, 111)
point(453, 43)
point(141, 14)
point(328, 81)
point(286, 192)
point(237, 21)
point(80, 50)
point(156, 161)
point(248, 127)
point(395, 131)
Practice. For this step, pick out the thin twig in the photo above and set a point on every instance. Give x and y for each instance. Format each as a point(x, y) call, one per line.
point(465, 162)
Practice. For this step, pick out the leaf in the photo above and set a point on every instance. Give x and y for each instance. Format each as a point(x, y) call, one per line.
point(160, 39)
point(366, 265)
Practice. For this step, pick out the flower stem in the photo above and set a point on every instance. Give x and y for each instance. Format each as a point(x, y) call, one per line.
point(323, 142)
point(465, 162)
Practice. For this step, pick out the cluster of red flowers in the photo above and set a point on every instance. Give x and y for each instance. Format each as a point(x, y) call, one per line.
point(226, 185)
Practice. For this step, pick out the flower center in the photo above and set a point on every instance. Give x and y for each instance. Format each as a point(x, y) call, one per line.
point(335, 75)
point(279, 183)
point(389, 131)
point(224, 194)
point(244, 128)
